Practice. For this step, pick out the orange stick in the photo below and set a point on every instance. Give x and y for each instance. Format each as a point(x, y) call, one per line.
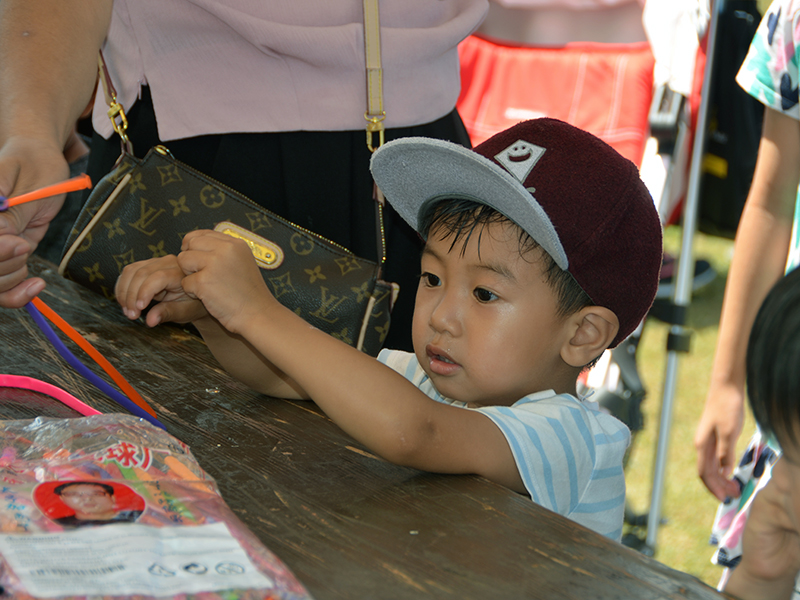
point(81, 182)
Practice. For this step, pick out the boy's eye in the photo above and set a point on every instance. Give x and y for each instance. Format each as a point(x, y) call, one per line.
point(484, 295)
point(430, 279)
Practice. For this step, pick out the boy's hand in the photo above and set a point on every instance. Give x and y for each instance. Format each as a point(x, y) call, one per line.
point(771, 539)
point(157, 279)
point(222, 272)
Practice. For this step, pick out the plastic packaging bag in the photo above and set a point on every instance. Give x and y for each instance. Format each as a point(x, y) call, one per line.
point(111, 506)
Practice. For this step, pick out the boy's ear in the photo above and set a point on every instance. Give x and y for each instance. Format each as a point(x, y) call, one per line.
point(594, 328)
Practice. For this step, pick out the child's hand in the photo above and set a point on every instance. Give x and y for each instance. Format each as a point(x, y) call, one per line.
point(771, 540)
point(222, 272)
point(157, 279)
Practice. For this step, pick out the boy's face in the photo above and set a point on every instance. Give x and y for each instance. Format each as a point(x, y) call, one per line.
point(486, 328)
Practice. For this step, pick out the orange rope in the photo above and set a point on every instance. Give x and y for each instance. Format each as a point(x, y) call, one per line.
point(96, 356)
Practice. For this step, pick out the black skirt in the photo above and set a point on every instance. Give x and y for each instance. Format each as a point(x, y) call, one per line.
point(319, 180)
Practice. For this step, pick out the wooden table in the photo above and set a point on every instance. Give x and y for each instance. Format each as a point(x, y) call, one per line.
point(348, 524)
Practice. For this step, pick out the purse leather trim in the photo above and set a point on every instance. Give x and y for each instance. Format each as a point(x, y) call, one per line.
point(86, 230)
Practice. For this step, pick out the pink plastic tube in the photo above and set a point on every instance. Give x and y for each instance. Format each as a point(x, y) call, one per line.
point(35, 385)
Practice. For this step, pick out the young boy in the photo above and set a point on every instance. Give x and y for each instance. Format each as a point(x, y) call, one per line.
point(543, 249)
point(770, 558)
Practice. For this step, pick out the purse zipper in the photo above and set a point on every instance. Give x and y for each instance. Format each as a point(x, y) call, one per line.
point(163, 151)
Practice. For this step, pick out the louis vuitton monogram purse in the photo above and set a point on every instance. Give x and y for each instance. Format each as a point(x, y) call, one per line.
point(144, 207)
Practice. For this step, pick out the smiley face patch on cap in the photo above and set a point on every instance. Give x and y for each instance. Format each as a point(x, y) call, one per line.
point(520, 158)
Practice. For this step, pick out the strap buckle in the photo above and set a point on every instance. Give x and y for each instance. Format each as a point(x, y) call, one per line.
point(118, 119)
point(375, 125)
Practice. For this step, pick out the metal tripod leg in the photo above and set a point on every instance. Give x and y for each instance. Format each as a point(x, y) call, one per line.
point(678, 339)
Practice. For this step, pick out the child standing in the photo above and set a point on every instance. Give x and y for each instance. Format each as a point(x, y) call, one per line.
point(770, 558)
point(542, 249)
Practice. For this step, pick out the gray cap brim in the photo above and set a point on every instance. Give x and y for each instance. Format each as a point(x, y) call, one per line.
point(415, 172)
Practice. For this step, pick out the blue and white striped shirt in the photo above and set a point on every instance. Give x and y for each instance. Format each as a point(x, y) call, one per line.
point(569, 453)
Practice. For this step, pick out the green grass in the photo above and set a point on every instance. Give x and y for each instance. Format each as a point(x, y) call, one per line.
point(682, 542)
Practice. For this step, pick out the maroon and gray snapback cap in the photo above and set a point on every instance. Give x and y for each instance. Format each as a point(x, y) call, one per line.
point(576, 196)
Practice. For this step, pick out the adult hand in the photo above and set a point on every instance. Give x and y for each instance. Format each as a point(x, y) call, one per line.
point(26, 164)
point(715, 440)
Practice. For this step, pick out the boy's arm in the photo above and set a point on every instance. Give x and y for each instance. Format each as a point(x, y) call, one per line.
point(367, 399)
point(771, 540)
point(245, 363)
point(379, 407)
